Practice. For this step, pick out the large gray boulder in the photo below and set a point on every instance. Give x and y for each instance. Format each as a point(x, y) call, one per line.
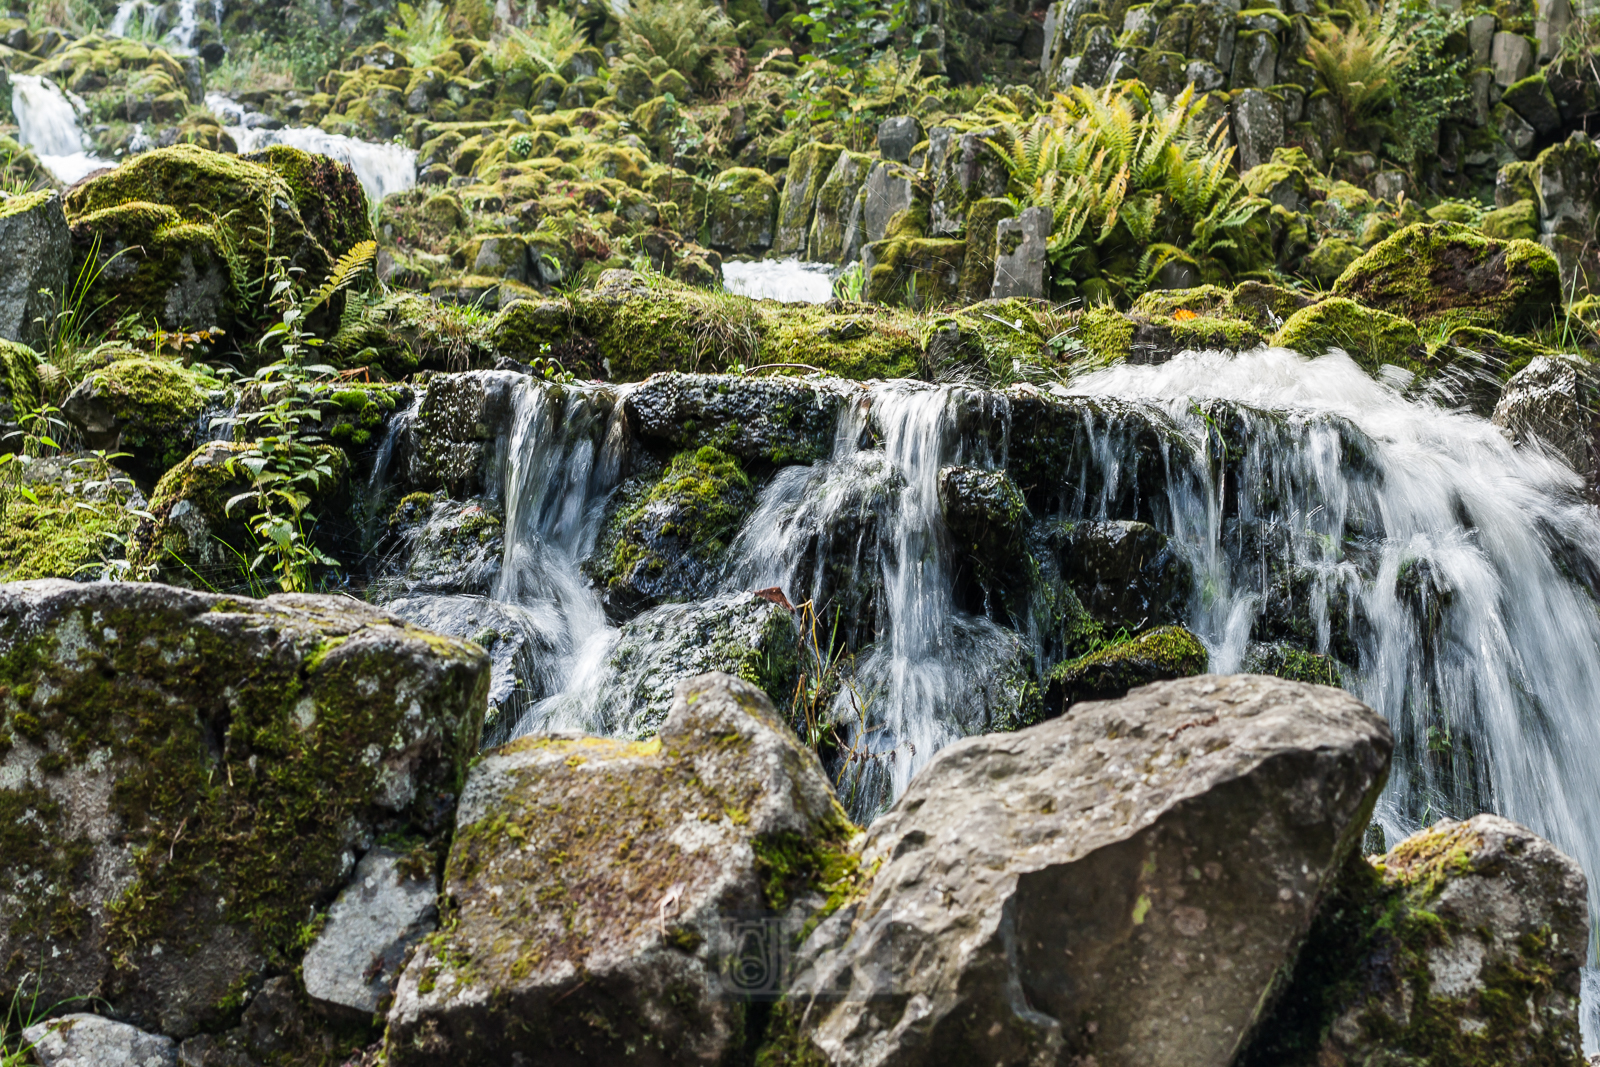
point(1124, 886)
point(458, 438)
point(184, 777)
point(602, 887)
point(1464, 944)
point(1019, 261)
point(35, 255)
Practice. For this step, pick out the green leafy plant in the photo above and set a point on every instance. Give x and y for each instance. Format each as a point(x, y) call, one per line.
point(419, 33)
point(547, 42)
point(851, 283)
point(1126, 175)
point(1435, 79)
point(696, 39)
point(1359, 63)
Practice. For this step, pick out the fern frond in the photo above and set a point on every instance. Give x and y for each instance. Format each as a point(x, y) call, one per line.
point(344, 273)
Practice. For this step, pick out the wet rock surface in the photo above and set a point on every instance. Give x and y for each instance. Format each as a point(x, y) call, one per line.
point(665, 844)
point(775, 420)
point(1130, 886)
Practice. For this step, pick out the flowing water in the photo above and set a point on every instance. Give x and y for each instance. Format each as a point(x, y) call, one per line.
point(180, 38)
point(382, 168)
point(788, 280)
point(48, 119)
point(1454, 575)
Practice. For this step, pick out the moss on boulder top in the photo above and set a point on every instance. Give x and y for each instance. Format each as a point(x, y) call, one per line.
point(186, 777)
point(1444, 271)
point(282, 202)
point(594, 878)
point(1372, 338)
point(147, 408)
point(1158, 655)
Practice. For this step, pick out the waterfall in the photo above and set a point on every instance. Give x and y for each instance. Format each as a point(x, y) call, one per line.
point(48, 121)
point(381, 168)
point(1453, 576)
point(179, 39)
point(788, 280)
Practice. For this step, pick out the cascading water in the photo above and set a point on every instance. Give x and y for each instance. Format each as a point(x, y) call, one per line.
point(1452, 575)
point(48, 119)
point(788, 280)
point(180, 38)
point(381, 168)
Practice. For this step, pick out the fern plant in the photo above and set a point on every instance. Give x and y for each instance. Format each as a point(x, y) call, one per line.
point(1359, 63)
point(546, 43)
point(1125, 175)
point(419, 33)
point(695, 39)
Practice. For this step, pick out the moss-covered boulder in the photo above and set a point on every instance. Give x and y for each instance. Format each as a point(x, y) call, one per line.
point(1463, 945)
point(19, 390)
point(228, 215)
point(1518, 222)
point(1156, 655)
point(192, 538)
point(836, 222)
point(148, 408)
point(918, 272)
point(186, 778)
point(596, 883)
point(809, 169)
point(74, 523)
point(1443, 271)
point(35, 265)
point(1330, 259)
point(1372, 338)
point(669, 534)
point(741, 211)
point(771, 420)
point(1126, 574)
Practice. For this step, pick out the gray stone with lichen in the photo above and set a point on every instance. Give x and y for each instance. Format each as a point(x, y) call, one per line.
point(598, 884)
point(386, 909)
point(183, 776)
point(35, 256)
point(1128, 882)
point(84, 1040)
point(1549, 404)
point(1465, 943)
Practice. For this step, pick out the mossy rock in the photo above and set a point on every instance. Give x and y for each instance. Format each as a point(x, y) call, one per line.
point(147, 408)
point(1263, 305)
point(151, 262)
point(188, 777)
point(770, 421)
point(1372, 338)
point(664, 543)
point(1200, 300)
point(1433, 272)
point(249, 210)
point(1519, 222)
point(1477, 928)
point(1330, 259)
point(192, 538)
point(19, 390)
point(741, 211)
point(64, 533)
point(1156, 655)
point(917, 272)
point(725, 813)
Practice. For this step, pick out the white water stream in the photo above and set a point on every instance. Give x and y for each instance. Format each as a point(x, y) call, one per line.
point(48, 119)
point(179, 39)
point(382, 168)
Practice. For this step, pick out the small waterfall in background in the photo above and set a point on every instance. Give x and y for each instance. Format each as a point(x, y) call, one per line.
point(48, 119)
point(382, 168)
point(788, 280)
point(178, 39)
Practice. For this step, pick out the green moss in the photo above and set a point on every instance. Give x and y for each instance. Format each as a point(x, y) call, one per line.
point(61, 536)
point(977, 270)
point(156, 404)
point(23, 203)
point(1519, 222)
point(330, 198)
point(1163, 653)
point(1201, 300)
point(1433, 272)
point(19, 380)
point(699, 502)
point(1330, 259)
point(1106, 333)
point(159, 265)
point(1372, 338)
point(251, 805)
point(918, 272)
point(741, 210)
point(1209, 332)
